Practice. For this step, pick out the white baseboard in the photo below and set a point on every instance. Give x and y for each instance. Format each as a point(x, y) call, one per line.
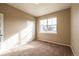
point(61, 44)
point(56, 43)
point(74, 53)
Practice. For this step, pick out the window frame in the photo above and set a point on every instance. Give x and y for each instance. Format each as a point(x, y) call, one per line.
point(52, 32)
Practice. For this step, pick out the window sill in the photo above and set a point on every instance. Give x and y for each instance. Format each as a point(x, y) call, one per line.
point(48, 32)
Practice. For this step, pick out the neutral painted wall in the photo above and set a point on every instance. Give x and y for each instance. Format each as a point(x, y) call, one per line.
point(75, 28)
point(14, 20)
point(63, 28)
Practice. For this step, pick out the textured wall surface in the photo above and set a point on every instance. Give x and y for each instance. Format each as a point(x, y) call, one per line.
point(63, 28)
point(75, 28)
point(16, 23)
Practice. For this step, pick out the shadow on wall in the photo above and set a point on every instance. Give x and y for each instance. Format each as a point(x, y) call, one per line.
point(24, 36)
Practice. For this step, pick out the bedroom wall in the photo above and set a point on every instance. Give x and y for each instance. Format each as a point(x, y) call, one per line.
point(15, 21)
point(75, 29)
point(63, 28)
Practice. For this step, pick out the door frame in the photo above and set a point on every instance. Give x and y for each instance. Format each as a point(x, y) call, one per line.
point(2, 26)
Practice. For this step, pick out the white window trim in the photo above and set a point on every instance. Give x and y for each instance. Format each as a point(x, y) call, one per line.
point(48, 32)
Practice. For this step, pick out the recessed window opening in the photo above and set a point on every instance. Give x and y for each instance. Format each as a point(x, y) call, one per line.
point(48, 25)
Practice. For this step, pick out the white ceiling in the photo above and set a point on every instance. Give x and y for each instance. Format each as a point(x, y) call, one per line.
point(40, 9)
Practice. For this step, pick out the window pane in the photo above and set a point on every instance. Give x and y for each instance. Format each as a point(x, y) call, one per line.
point(43, 22)
point(43, 28)
point(52, 28)
point(52, 21)
point(48, 25)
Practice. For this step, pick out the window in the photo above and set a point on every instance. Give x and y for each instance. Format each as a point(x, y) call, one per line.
point(48, 25)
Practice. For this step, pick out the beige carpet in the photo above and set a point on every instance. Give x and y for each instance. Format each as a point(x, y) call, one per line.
point(39, 48)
